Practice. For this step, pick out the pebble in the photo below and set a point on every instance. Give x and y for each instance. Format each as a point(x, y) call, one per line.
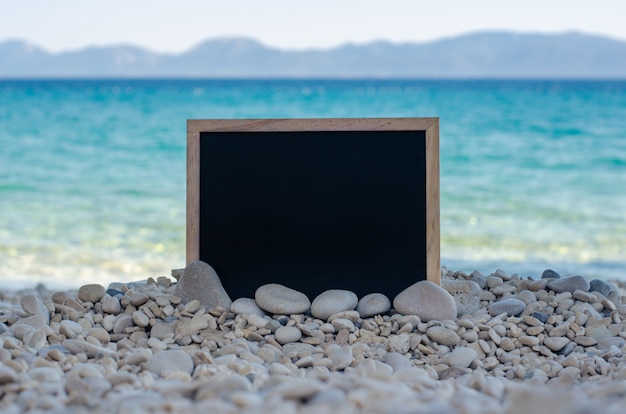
point(91, 293)
point(286, 334)
point(111, 305)
point(278, 299)
point(200, 281)
point(556, 343)
point(461, 357)
point(340, 356)
point(550, 274)
point(569, 284)
point(333, 301)
point(373, 304)
point(466, 294)
point(189, 358)
point(510, 306)
point(246, 306)
point(427, 300)
point(600, 286)
point(443, 335)
point(170, 360)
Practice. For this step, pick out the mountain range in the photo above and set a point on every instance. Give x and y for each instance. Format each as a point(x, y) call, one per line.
point(475, 55)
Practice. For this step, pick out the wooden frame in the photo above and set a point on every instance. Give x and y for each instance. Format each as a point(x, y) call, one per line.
point(428, 126)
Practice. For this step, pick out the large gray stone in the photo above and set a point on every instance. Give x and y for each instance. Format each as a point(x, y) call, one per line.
point(466, 294)
point(427, 300)
point(199, 281)
point(373, 304)
point(332, 301)
point(279, 299)
point(569, 284)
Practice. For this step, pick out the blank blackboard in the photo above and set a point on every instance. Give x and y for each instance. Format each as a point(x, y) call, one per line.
point(315, 204)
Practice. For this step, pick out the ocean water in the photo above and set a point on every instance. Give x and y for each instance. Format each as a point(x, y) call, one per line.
point(92, 172)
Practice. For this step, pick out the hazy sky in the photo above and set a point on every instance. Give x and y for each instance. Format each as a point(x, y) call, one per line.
point(177, 25)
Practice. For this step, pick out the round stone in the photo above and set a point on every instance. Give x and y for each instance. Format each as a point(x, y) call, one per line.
point(373, 304)
point(461, 357)
point(246, 306)
point(91, 293)
point(556, 343)
point(332, 301)
point(510, 306)
point(278, 299)
point(426, 300)
point(287, 334)
point(443, 335)
point(569, 284)
point(170, 360)
point(111, 305)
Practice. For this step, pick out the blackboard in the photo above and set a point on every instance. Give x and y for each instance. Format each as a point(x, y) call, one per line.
point(315, 204)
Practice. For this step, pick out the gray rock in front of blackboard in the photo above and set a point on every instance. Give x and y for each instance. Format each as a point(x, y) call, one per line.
point(466, 294)
point(373, 304)
point(199, 281)
point(427, 300)
point(281, 300)
point(246, 306)
point(333, 301)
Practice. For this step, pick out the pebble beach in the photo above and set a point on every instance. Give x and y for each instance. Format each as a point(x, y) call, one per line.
point(479, 343)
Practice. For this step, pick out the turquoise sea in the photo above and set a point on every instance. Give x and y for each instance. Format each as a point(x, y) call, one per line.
point(92, 172)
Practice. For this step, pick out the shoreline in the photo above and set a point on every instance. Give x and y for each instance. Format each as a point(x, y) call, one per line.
point(141, 346)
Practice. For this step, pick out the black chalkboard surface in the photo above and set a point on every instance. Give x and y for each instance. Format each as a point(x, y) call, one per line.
point(315, 204)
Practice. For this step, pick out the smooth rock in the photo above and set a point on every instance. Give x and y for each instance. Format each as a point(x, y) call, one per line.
point(200, 281)
point(569, 284)
point(162, 330)
point(427, 300)
point(461, 357)
point(443, 335)
point(333, 301)
point(246, 306)
point(606, 343)
point(76, 346)
point(340, 355)
point(286, 334)
point(373, 304)
point(600, 286)
point(556, 343)
point(511, 306)
point(598, 332)
point(91, 293)
point(550, 274)
point(32, 305)
point(170, 360)
point(397, 361)
point(466, 294)
point(279, 299)
point(111, 305)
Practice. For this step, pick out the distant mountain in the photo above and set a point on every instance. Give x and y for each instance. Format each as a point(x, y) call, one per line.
point(476, 55)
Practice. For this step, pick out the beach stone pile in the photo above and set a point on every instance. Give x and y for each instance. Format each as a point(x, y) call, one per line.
point(477, 344)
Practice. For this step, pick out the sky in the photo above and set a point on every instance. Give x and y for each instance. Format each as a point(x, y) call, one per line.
point(178, 25)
